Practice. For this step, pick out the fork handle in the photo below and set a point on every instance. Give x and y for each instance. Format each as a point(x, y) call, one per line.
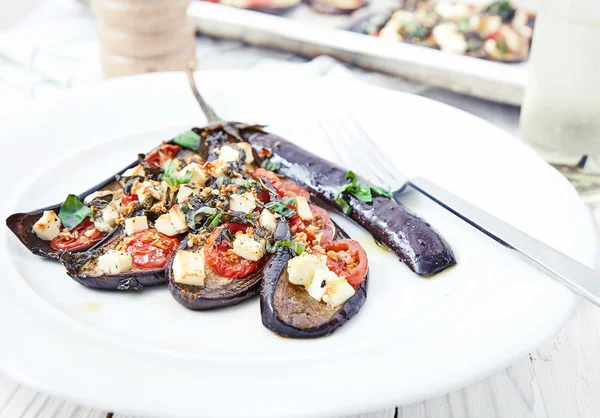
point(578, 277)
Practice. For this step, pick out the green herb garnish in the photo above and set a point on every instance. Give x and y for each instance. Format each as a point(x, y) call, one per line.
point(362, 192)
point(280, 208)
point(72, 212)
point(415, 30)
point(501, 44)
point(189, 139)
point(191, 215)
point(270, 165)
point(213, 221)
point(223, 181)
point(474, 45)
point(292, 245)
point(173, 177)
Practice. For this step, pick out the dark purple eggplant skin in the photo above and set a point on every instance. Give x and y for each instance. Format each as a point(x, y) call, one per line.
point(133, 280)
point(417, 244)
point(290, 324)
point(322, 6)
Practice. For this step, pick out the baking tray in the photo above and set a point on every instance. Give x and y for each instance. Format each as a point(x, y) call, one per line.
point(306, 33)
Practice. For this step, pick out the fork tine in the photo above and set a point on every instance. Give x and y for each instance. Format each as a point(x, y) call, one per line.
point(329, 137)
point(365, 156)
point(386, 163)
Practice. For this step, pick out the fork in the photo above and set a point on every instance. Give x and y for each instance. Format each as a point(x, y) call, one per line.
point(360, 150)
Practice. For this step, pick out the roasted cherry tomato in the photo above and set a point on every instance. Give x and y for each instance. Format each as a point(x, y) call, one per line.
point(82, 236)
point(346, 257)
point(162, 155)
point(150, 249)
point(128, 198)
point(221, 258)
point(321, 223)
point(283, 186)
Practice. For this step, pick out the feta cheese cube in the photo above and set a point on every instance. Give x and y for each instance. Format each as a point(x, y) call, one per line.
point(107, 220)
point(184, 193)
point(136, 224)
point(218, 168)
point(145, 190)
point(171, 223)
point(229, 154)
point(304, 211)
point(337, 291)
point(268, 220)
point(318, 284)
point(48, 226)
point(188, 268)
point(249, 248)
point(449, 38)
point(199, 176)
point(301, 269)
point(242, 202)
point(114, 262)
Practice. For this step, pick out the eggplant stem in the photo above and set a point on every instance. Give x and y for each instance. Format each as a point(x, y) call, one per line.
point(206, 109)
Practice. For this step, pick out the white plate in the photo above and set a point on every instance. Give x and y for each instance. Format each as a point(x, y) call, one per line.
point(142, 353)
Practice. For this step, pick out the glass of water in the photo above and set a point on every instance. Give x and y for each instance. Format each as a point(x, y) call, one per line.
point(560, 115)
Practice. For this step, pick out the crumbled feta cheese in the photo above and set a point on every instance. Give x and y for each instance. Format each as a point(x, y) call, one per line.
point(304, 211)
point(107, 220)
point(317, 287)
point(184, 193)
point(449, 38)
point(188, 268)
point(171, 223)
point(337, 291)
point(268, 220)
point(114, 262)
point(301, 269)
point(229, 154)
point(249, 248)
point(217, 168)
point(199, 176)
point(138, 170)
point(145, 190)
point(48, 226)
point(244, 202)
point(136, 224)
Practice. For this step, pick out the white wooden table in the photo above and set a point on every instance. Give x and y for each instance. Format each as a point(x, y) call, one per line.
point(561, 378)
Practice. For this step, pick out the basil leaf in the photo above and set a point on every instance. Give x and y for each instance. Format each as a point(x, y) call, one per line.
point(270, 165)
point(72, 212)
point(173, 177)
point(292, 245)
point(214, 221)
point(362, 193)
point(281, 209)
point(289, 201)
point(339, 199)
point(189, 139)
point(190, 216)
point(381, 191)
point(502, 47)
point(223, 181)
point(353, 179)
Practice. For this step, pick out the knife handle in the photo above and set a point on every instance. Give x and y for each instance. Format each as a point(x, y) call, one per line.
point(578, 277)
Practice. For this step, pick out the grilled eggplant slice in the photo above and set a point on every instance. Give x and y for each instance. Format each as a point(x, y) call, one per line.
point(83, 268)
point(336, 7)
point(218, 291)
point(274, 7)
point(289, 311)
point(21, 224)
point(417, 244)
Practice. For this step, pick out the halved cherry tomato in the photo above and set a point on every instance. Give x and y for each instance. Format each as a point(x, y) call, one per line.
point(128, 198)
point(321, 223)
point(159, 157)
point(346, 257)
point(221, 258)
point(150, 249)
point(283, 186)
point(82, 236)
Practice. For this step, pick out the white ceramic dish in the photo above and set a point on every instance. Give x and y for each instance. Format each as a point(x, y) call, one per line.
point(143, 354)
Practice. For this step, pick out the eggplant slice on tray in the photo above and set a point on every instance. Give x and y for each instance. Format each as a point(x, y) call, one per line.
point(289, 311)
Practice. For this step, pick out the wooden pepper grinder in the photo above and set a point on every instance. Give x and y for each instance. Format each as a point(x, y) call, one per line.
point(139, 36)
